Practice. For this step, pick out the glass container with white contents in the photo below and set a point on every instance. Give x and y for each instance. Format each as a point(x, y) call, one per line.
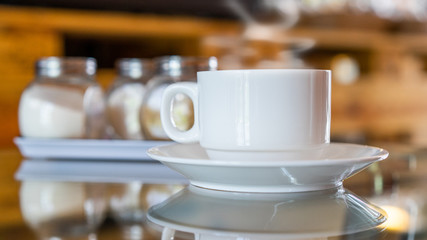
point(171, 69)
point(124, 97)
point(63, 101)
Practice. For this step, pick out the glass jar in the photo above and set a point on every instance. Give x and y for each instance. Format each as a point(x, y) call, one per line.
point(124, 98)
point(171, 69)
point(63, 101)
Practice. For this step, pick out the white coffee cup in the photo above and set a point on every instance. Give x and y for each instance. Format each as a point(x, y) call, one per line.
point(241, 111)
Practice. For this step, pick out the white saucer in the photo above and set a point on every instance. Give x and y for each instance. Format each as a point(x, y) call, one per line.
point(309, 215)
point(321, 170)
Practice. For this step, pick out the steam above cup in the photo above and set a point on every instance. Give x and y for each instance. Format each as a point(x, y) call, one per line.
point(245, 113)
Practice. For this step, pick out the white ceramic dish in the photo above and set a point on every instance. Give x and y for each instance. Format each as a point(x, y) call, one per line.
point(299, 171)
point(91, 171)
point(85, 149)
point(225, 215)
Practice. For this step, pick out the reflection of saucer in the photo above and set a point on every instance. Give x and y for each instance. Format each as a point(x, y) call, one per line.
point(318, 214)
point(325, 169)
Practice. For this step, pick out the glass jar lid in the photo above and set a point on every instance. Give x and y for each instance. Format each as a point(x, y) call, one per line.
point(175, 65)
point(56, 66)
point(134, 67)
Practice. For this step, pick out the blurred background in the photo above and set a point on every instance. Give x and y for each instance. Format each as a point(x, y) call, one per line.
point(377, 50)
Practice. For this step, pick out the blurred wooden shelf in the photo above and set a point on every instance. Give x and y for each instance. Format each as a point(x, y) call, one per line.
point(111, 23)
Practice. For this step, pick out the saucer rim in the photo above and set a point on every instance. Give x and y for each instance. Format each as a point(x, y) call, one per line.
point(157, 153)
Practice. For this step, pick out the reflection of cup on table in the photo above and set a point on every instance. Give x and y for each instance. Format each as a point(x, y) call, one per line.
point(223, 215)
point(254, 111)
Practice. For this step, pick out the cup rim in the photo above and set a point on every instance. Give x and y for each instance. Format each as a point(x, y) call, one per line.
point(269, 70)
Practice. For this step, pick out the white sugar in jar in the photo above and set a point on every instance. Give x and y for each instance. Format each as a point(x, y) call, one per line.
point(63, 101)
point(124, 98)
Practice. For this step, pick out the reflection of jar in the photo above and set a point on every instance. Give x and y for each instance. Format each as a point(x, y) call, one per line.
point(125, 96)
point(153, 194)
point(171, 69)
point(63, 101)
point(63, 210)
point(130, 201)
point(126, 209)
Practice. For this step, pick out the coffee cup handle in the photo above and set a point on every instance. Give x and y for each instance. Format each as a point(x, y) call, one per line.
point(189, 89)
